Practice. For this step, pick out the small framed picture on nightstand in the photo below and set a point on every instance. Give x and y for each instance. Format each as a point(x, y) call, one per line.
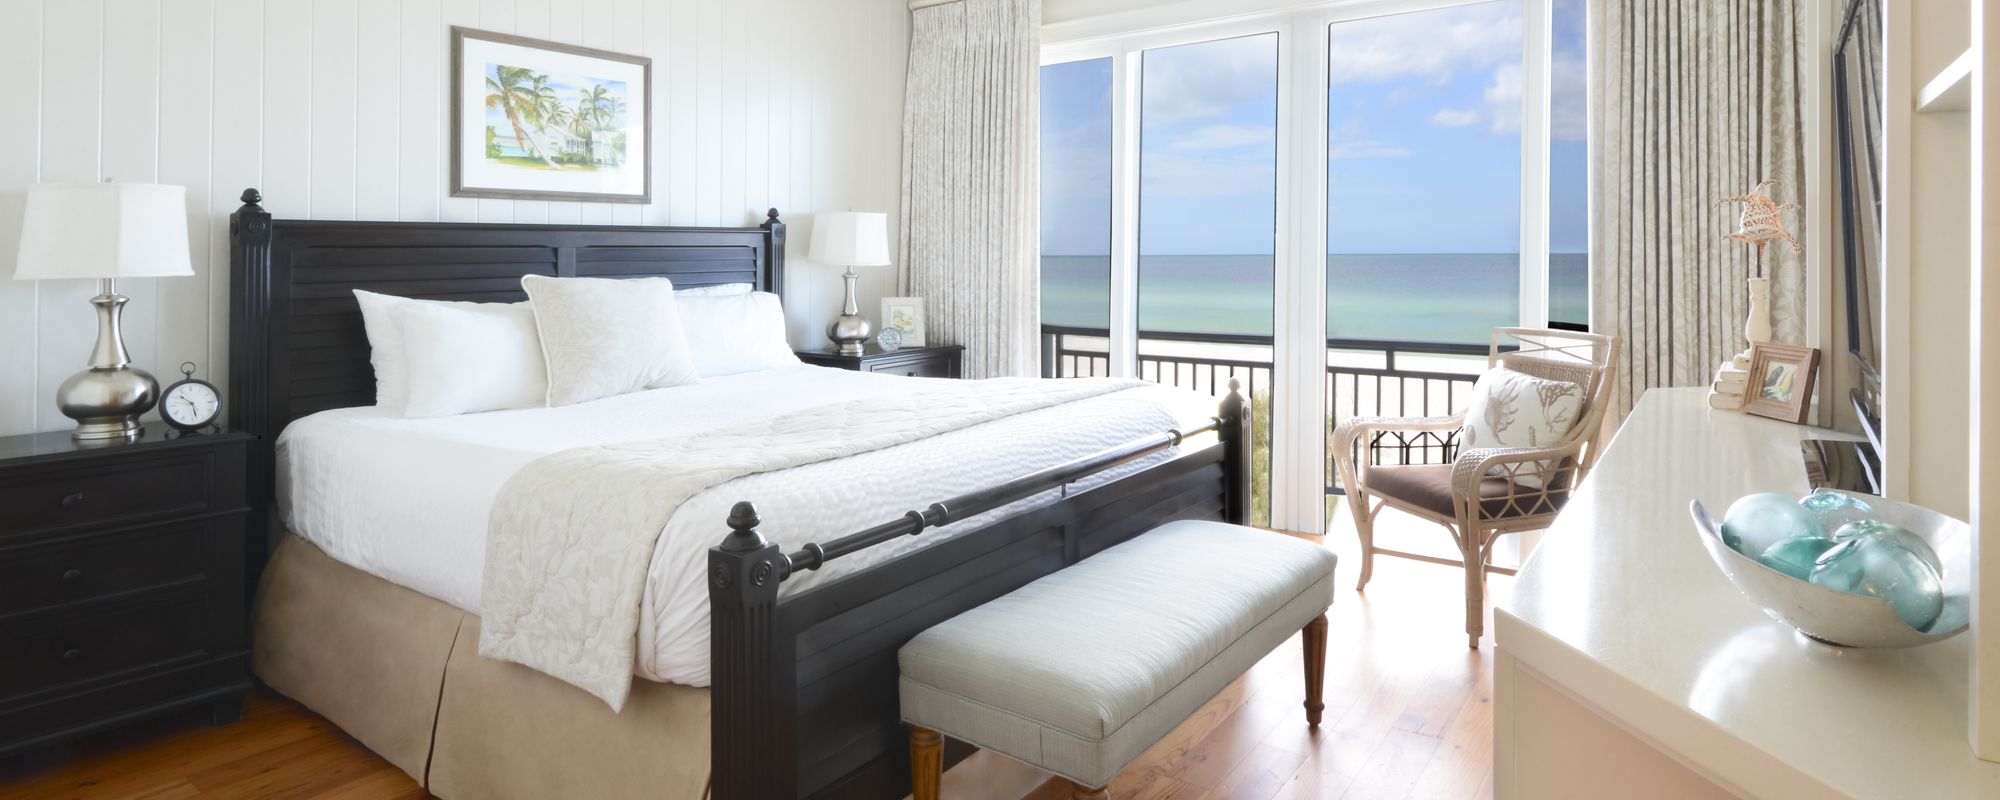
point(906, 315)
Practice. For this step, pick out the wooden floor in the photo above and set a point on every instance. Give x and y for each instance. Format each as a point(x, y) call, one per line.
point(1409, 713)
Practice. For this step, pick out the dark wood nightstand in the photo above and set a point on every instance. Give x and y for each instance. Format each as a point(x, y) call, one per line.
point(122, 584)
point(916, 362)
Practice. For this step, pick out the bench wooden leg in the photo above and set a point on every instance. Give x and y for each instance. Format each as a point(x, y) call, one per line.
point(926, 763)
point(1078, 791)
point(1314, 637)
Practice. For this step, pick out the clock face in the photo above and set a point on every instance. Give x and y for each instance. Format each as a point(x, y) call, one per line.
point(190, 405)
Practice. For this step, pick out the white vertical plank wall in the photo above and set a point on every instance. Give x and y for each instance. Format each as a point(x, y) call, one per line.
point(336, 109)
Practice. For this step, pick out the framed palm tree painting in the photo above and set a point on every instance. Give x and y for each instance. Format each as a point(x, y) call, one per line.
point(543, 120)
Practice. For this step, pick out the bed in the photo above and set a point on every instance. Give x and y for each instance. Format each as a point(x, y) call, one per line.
point(773, 604)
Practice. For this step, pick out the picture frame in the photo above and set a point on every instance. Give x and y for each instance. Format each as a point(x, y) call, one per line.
point(1780, 384)
point(905, 314)
point(541, 120)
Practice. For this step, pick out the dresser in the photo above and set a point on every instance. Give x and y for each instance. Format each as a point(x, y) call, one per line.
point(941, 361)
point(1628, 666)
point(122, 583)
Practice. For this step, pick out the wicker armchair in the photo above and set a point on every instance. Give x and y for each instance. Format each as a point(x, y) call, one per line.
point(1481, 493)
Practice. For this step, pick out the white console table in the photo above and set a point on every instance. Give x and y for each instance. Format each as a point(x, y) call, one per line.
point(1628, 666)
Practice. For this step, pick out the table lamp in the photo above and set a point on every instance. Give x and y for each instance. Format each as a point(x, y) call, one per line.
point(850, 239)
point(105, 231)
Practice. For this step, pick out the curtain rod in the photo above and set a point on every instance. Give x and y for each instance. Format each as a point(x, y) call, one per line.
point(917, 4)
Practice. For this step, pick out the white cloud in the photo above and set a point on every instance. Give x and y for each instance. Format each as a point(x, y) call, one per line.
point(1454, 117)
point(1366, 148)
point(1204, 81)
point(1224, 137)
point(1502, 98)
point(1429, 44)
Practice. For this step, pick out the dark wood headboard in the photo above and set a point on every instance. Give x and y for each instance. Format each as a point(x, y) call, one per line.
point(296, 343)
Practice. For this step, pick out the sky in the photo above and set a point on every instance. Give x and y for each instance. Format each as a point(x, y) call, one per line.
point(1424, 114)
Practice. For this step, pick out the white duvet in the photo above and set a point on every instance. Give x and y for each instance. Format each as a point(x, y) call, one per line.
point(408, 499)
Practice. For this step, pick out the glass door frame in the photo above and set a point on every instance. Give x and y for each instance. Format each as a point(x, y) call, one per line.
point(1300, 405)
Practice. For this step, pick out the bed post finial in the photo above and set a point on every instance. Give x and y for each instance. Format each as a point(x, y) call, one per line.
point(1234, 431)
point(771, 215)
point(743, 535)
point(252, 197)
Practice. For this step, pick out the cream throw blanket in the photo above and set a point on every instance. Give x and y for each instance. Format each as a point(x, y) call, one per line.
point(572, 534)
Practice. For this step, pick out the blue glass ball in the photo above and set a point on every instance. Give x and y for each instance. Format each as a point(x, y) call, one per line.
point(1880, 566)
point(1835, 509)
point(1757, 521)
point(1795, 556)
point(1915, 543)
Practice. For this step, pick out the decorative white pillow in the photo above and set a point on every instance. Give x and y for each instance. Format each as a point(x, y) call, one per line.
point(1514, 409)
point(728, 334)
point(718, 290)
point(385, 342)
point(464, 359)
point(604, 337)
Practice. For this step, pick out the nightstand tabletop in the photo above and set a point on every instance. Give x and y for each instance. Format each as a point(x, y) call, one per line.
point(157, 435)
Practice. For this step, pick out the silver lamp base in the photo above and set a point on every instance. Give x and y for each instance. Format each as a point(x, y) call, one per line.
point(107, 399)
point(850, 330)
point(106, 404)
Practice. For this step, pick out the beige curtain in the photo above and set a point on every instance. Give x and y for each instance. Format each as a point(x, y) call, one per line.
point(968, 234)
point(1691, 102)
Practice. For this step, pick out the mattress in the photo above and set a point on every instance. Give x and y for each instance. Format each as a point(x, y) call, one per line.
point(407, 500)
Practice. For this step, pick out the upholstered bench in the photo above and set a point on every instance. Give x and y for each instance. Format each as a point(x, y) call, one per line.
point(1081, 671)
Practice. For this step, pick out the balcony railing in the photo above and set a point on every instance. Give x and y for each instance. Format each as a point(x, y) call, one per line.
point(1364, 377)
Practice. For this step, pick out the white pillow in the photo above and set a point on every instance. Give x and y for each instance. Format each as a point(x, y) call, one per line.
point(1515, 409)
point(728, 334)
point(717, 290)
point(385, 342)
point(604, 337)
point(476, 357)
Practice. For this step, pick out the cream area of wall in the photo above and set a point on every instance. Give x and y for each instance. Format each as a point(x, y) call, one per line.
point(336, 109)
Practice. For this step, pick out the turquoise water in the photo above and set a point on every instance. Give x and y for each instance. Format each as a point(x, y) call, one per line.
point(1426, 297)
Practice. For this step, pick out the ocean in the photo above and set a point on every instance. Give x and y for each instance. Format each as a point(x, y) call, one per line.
point(1447, 297)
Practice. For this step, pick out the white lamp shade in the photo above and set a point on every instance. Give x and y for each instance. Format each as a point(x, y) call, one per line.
point(851, 239)
point(104, 230)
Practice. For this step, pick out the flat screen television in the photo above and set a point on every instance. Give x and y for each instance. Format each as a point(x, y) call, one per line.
point(1858, 154)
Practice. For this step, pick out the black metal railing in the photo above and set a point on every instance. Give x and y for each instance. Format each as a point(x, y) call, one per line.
point(1364, 377)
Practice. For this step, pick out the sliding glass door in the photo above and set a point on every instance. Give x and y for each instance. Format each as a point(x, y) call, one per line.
point(1334, 207)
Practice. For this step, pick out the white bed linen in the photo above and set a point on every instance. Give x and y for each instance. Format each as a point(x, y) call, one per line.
point(407, 499)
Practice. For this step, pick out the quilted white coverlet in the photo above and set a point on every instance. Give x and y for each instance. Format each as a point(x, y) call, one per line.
point(572, 534)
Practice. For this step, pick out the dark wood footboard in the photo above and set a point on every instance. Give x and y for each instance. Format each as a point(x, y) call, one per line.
point(804, 699)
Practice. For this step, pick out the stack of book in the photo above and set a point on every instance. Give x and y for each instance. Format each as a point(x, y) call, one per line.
point(1732, 377)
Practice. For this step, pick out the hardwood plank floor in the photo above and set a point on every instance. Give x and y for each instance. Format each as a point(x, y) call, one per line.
point(1409, 713)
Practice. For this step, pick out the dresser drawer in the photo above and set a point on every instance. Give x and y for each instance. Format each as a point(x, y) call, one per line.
point(914, 368)
point(85, 568)
point(131, 489)
point(49, 656)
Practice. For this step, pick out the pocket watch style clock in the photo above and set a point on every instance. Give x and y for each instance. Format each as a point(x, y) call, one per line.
point(191, 404)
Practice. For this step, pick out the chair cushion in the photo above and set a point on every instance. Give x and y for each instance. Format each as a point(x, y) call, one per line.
point(1428, 486)
point(1081, 671)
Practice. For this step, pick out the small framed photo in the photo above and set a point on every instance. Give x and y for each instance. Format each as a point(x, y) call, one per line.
point(1781, 381)
point(545, 120)
point(905, 314)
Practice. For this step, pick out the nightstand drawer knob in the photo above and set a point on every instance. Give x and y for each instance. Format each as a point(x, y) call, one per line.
point(71, 500)
point(72, 575)
point(72, 656)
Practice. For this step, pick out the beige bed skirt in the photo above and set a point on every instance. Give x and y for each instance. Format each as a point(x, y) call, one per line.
point(401, 672)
